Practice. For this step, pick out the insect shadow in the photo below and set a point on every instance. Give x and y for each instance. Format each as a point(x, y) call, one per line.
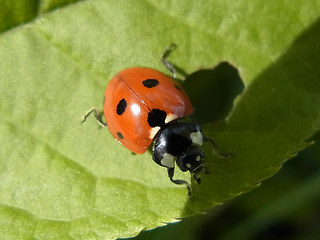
point(213, 91)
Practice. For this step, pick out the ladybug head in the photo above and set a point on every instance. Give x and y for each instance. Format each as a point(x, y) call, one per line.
point(191, 160)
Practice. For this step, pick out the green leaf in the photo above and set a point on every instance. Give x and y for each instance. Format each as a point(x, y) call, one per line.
point(61, 180)
point(16, 12)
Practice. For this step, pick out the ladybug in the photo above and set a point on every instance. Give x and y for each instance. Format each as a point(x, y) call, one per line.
point(143, 105)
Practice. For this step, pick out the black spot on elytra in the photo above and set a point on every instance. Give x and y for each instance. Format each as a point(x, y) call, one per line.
point(121, 107)
point(120, 136)
point(150, 83)
point(156, 118)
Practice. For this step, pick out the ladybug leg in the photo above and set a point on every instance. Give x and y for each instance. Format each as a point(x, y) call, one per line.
point(166, 63)
point(178, 181)
point(198, 180)
point(206, 171)
point(215, 148)
point(97, 115)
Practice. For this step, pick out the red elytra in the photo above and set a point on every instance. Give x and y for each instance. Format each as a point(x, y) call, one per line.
point(131, 95)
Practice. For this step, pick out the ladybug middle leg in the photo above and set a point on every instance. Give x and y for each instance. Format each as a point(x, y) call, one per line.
point(97, 115)
point(166, 63)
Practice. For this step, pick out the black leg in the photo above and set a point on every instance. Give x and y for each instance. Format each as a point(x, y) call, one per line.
point(166, 63)
point(198, 180)
point(206, 171)
point(97, 115)
point(178, 181)
point(215, 148)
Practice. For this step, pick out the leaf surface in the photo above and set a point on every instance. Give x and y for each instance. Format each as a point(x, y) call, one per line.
point(61, 180)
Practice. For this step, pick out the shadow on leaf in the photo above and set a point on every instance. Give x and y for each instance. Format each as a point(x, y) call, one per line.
point(212, 92)
point(278, 111)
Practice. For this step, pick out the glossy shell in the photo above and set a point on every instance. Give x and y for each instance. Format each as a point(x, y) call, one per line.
point(129, 98)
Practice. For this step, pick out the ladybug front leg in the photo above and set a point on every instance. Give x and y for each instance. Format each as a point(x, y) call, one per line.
point(178, 181)
point(166, 63)
point(97, 115)
point(198, 180)
point(215, 148)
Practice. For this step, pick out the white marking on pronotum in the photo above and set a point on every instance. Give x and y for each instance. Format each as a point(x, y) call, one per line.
point(188, 165)
point(197, 137)
point(168, 160)
point(198, 158)
point(153, 132)
point(170, 117)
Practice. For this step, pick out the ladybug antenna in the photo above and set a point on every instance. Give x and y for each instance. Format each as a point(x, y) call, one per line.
point(166, 63)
